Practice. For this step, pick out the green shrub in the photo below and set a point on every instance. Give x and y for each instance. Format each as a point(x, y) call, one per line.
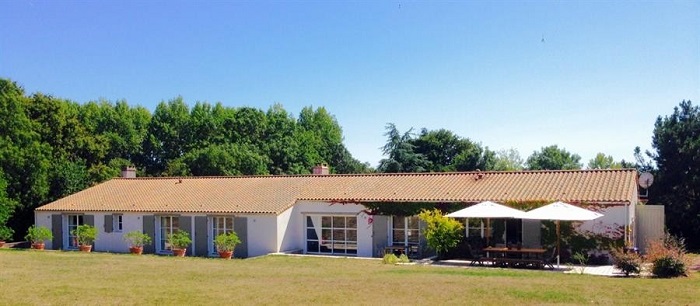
point(38, 234)
point(669, 266)
point(179, 239)
point(5, 233)
point(226, 242)
point(668, 257)
point(629, 262)
point(390, 259)
point(441, 233)
point(404, 259)
point(85, 234)
point(137, 238)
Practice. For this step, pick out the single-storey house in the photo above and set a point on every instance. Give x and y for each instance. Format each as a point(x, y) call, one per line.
point(320, 213)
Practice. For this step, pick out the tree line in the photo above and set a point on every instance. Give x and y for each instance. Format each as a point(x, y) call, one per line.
point(52, 147)
point(442, 150)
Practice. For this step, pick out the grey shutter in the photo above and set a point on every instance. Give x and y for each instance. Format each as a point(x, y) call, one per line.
point(109, 223)
point(57, 231)
point(186, 225)
point(201, 241)
point(240, 226)
point(380, 239)
point(149, 228)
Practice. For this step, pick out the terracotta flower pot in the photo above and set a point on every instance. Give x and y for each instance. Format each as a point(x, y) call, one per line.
point(85, 248)
point(138, 250)
point(2, 243)
point(179, 252)
point(38, 246)
point(225, 254)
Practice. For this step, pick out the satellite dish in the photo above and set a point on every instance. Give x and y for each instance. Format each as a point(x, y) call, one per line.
point(645, 180)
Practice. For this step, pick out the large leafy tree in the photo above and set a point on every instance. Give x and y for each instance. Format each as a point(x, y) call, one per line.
point(7, 207)
point(602, 161)
point(168, 136)
point(447, 151)
point(24, 159)
point(553, 158)
point(676, 141)
point(400, 153)
point(508, 160)
point(433, 151)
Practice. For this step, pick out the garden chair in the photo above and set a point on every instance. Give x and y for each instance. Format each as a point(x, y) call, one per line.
point(477, 256)
point(550, 260)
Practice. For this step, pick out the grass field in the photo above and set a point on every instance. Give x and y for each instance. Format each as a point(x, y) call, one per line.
point(52, 277)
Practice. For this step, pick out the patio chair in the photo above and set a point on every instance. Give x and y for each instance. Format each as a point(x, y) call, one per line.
point(550, 260)
point(477, 256)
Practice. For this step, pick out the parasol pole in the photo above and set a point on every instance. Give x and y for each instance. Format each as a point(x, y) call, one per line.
point(488, 231)
point(558, 243)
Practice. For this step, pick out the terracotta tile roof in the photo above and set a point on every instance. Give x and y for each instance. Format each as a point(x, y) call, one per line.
point(274, 194)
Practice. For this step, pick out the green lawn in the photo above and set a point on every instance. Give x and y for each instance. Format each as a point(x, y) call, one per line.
point(52, 277)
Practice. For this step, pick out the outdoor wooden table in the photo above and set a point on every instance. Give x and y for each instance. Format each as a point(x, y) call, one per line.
point(515, 257)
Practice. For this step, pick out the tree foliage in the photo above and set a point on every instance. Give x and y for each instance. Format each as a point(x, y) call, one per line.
point(508, 160)
point(441, 233)
point(676, 140)
point(432, 151)
point(602, 161)
point(553, 158)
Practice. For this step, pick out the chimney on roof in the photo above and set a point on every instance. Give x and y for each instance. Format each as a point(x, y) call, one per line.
point(129, 172)
point(320, 169)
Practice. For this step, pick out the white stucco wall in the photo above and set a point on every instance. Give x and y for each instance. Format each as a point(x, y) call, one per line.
point(291, 226)
point(614, 218)
point(262, 234)
point(43, 218)
point(290, 231)
point(114, 241)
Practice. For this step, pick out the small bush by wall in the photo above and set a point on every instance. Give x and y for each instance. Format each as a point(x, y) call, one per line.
point(668, 257)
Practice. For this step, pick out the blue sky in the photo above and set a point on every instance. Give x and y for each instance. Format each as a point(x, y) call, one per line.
point(588, 76)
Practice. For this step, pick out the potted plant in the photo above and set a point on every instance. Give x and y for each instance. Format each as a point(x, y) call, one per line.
point(86, 235)
point(37, 235)
point(137, 240)
point(179, 240)
point(5, 234)
point(225, 243)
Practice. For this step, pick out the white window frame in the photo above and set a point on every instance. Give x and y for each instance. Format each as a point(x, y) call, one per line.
point(164, 249)
point(117, 223)
point(211, 233)
point(69, 241)
point(332, 228)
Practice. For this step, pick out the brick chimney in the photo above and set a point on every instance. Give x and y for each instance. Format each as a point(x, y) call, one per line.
point(320, 169)
point(129, 172)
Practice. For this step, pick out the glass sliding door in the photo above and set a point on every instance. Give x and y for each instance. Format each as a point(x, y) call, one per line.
point(219, 225)
point(73, 222)
point(167, 225)
point(333, 235)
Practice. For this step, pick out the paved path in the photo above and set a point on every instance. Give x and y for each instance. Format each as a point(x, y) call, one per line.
point(592, 270)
